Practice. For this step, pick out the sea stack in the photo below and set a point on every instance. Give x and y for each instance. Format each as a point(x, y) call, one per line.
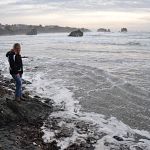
point(32, 32)
point(124, 30)
point(77, 33)
point(103, 30)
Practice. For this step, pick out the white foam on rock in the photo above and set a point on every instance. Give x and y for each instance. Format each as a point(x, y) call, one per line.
point(48, 135)
point(111, 127)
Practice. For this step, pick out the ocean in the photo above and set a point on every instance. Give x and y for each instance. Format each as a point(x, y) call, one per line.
point(103, 78)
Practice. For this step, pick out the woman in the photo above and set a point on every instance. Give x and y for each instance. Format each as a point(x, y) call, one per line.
point(16, 68)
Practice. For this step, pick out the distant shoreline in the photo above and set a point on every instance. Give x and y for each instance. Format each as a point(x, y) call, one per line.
point(21, 29)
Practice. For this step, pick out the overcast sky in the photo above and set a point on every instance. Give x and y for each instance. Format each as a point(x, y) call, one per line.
point(114, 14)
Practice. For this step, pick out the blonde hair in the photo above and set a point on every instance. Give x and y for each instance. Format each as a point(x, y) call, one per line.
point(16, 45)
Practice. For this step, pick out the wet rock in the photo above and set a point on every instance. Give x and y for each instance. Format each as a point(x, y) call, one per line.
point(48, 101)
point(37, 97)
point(137, 148)
point(117, 146)
point(26, 82)
point(124, 30)
point(137, 137)
point(53, 123)
point(60, 107)
point(26, 94)
point(29, 109)
point(4, 91)
point(52, 146)
point(101, 135)
point(20, 123)
point(83, 146)
point(77, 33)
point(91, 140)
point(103, 30)
point(112, 146)
point(124, 147)
point(82, 127)
point(24, 57)
point(118, 138)
point(65, 132)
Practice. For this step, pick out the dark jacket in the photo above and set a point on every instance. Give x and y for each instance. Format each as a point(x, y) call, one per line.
point(15, 62)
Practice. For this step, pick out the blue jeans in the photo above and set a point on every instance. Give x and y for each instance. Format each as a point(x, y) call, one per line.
point(18, 80)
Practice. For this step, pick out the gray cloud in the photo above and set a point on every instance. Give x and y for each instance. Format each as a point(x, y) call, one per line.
point(17, 10)
point(81, 4)
point(76, 5)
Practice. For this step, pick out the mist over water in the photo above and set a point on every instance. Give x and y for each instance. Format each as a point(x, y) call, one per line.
point(105, 73)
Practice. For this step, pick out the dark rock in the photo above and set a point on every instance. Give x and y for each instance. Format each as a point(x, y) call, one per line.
point(137, 137)
point(47, 100)
point(60, 107)
point(65, 132)
point(124, 147)
point(83, 146)
point(103, 30)
point(118, 138)
point(77, 33)
point(20, 123)
point(82, 127)
point(124, 30)
point(24, 57)
point(37, 97)
point(101, 135)
point(52, 146)
point(91, 140)
point(28, 110)
point(138, 148)
point(26, 94)
point(4, 91)
point(26, 82)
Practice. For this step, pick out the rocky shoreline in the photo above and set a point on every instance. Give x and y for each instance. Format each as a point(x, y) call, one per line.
point(20, 123)
point(22, 126)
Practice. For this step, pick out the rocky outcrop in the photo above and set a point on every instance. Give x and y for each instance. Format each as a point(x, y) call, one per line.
point(20, 123)
point(32, 32)
point(103, 30)
point(77, 33)
point(124, 30)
